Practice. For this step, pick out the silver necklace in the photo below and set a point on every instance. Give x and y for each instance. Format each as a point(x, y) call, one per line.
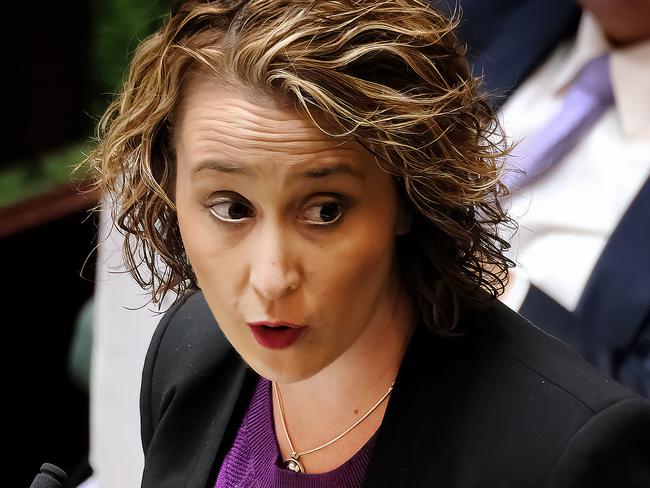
point(293, 463)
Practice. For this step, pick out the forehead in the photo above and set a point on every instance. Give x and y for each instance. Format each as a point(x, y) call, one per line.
point(215, 119)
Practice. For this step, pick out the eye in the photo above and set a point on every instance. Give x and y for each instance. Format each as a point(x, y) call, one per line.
point(230, 210)
point(324, 213)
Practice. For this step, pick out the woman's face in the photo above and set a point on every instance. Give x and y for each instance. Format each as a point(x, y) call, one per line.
point(283, 224)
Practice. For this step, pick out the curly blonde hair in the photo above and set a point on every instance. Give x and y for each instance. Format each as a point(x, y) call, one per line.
point(390, 74)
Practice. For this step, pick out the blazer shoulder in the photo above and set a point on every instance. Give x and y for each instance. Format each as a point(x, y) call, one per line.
point(188, 340)
point(520, 409)
point(185, 350)
point(601, 427)
point(547, 359)
point(610, 449)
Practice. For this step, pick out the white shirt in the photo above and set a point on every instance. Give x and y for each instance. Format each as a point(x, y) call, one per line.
point(567, 215)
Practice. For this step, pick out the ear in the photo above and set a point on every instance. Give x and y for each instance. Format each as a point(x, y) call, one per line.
point(403, 221)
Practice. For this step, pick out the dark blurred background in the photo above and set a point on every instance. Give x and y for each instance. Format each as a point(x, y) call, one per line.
point(62, 62)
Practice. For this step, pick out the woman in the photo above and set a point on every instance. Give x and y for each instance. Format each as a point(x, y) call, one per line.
point(319, 181)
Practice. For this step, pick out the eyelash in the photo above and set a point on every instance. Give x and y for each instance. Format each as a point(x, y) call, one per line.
point(344, 203)
point(221, 200)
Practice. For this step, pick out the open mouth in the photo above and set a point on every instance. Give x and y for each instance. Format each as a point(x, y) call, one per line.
point(276, 327)
point(275, 336)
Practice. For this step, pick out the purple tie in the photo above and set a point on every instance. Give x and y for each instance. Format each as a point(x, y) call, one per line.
point(585, 101)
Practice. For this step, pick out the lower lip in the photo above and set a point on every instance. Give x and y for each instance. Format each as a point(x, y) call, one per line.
point(275, 338)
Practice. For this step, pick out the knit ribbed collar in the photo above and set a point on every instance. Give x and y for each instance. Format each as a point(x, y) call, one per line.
point(258, 432)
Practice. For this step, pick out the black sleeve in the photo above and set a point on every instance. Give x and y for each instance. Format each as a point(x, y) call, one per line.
point(150, 411)
point(611, 450)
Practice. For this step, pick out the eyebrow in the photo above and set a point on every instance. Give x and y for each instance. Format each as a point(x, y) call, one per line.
point(231, 167)
point(221, 166)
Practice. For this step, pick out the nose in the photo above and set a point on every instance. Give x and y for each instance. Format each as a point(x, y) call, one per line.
point(273, 271)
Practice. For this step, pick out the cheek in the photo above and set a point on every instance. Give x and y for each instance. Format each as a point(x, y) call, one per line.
point(369, 249)
point(358, 263)
point(219, 273)
point(203, 245)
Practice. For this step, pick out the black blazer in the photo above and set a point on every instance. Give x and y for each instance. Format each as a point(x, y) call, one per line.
point(503, 405)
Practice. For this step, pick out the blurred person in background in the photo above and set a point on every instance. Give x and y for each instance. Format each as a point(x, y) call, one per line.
point(582, 124)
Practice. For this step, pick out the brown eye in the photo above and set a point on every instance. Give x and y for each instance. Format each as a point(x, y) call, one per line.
point(324, 213)
point(230, 211)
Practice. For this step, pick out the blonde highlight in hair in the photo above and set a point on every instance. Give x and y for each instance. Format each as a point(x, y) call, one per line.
point(388, 74)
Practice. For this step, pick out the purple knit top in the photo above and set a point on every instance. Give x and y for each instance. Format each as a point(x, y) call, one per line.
point(254, 457)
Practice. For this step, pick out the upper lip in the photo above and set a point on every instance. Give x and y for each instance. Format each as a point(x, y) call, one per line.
point(279, 323)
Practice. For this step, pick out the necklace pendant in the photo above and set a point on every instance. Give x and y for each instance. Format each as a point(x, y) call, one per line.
point(294, 465)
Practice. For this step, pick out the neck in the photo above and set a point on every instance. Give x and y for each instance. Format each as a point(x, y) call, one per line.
point(319, 408)
point(366, 370)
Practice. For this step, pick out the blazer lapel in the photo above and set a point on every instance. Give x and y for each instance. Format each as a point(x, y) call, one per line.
point(429, 387)
point(227, 410)
point(394, 446)
point(200, 412)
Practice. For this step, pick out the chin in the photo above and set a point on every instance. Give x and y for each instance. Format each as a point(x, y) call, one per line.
point(283, 371)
